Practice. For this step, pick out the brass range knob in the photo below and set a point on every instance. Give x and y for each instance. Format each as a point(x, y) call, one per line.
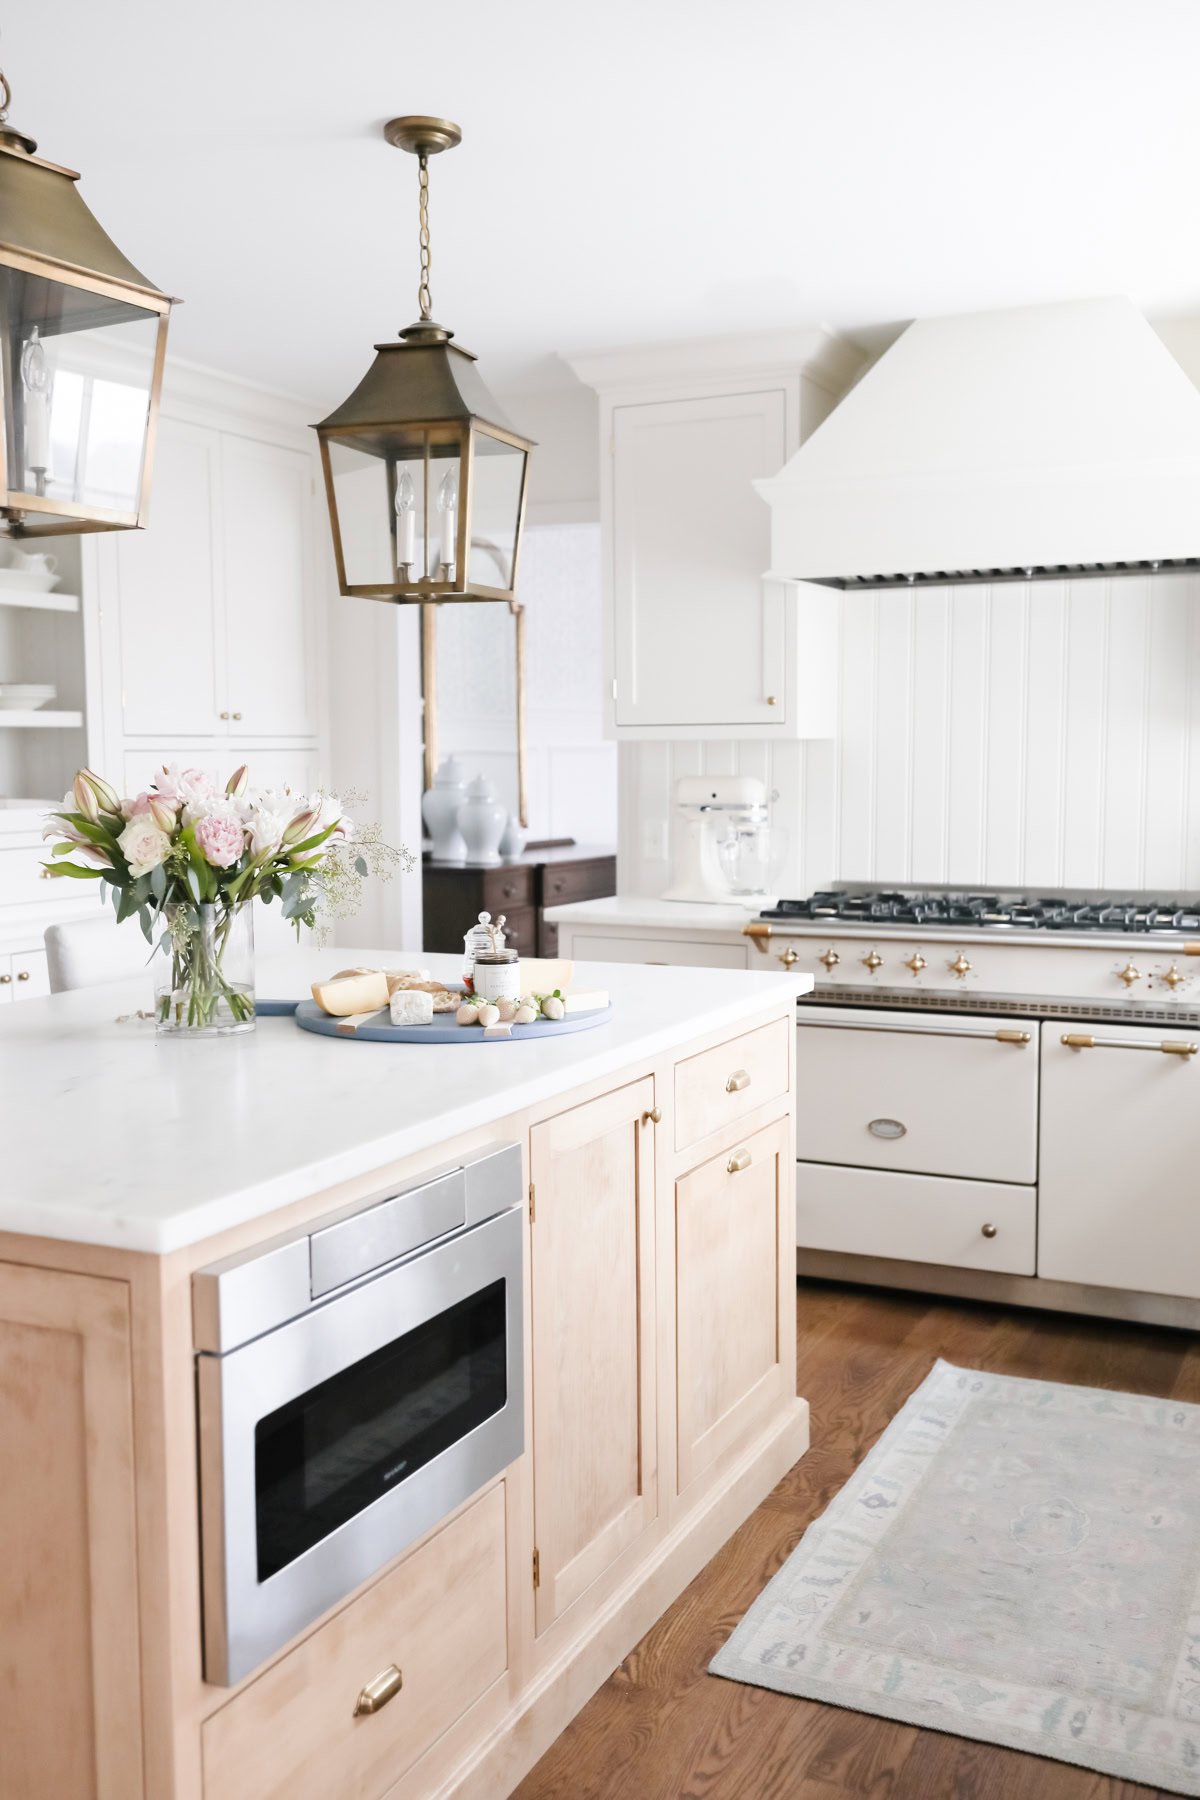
point(789, 957)
point(960, 967)
point(1130, 973)
point(872, 961)
point(831, 959)
point(1173, 978)
point(915, 962)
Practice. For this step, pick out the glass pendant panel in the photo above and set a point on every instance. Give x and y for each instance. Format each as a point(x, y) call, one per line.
point(78, 377)
point(497, 479)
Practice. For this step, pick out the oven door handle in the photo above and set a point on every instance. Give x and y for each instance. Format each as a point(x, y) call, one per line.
point(1083, 1040)
point(1002, 1036)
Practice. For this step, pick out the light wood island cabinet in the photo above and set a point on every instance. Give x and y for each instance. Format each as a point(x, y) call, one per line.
point(660, 1409)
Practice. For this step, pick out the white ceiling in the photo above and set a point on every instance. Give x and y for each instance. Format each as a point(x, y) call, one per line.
point(628, 172)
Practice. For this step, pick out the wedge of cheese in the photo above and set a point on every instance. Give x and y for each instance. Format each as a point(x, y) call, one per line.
point(363, 991)
point(542, 974)
point(586, 1002)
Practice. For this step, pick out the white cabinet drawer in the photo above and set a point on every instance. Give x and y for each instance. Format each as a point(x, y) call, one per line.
point(917, 1218)
point(928, 1095)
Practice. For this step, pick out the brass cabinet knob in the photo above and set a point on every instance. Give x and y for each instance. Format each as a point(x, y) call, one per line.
point(737, 1081)
point(4, 980)
point(915, 962)
point(1173, 978)
point(831, 959)
point(789, 957)
point(872, 961)
point(653, 1116)
point(223, 715)
point(770, 699)
point(960, 967)
point(988, 1231)
point(237, 715)
point(1129, 974)
point(740, 1160)
point(22, 974)
point(378, 1691)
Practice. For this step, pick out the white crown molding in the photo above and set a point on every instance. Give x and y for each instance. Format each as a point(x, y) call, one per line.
point(814, 351)
point(203, 396)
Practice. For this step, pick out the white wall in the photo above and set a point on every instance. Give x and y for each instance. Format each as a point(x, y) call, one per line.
point(1036, 735)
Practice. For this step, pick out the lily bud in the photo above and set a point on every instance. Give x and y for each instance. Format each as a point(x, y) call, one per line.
point(300, 827)
point(163, 813)
point(109, 799)
point(235, 787)
point(85, 799)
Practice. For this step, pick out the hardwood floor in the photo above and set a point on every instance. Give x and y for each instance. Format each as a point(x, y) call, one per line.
point(661, 1728)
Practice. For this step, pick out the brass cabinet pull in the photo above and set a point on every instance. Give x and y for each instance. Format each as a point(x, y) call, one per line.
point(4, 980)
point(237, 715)
point(1005, 1036)
point(224, 715)
point(653, 1116)
point(378, 1691)
point(988, 1231)
point(741, 1159)
point(737, 1081)
point(22, 974)
point(1083, 1040)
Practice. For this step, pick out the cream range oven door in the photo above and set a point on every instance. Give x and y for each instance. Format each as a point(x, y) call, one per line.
point(917, 1137)
point(1120, 1168)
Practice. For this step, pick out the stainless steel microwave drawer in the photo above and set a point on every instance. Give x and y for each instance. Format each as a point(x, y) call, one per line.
point(928, 1094)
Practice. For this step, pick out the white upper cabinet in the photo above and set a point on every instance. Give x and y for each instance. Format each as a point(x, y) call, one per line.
point(215, 601)
point(266, 503)
point(701, 641)
point(166, 580)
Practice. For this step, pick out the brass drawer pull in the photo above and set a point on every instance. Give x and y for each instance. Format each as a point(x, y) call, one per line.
point(22, 974)
point(653, 1117)
point(741, 1159)
point(1083, 1040)
point(384, 1687)
point(737, 1081)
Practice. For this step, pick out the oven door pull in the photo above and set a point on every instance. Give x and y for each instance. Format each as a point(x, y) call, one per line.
point(378, 1691)
point(1082, 1040)
point(1005, 1035)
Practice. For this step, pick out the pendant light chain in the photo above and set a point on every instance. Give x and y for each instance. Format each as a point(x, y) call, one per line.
point(423, 294)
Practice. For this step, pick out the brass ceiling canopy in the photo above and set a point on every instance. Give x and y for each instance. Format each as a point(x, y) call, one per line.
point(424, 475)
point(82, 341)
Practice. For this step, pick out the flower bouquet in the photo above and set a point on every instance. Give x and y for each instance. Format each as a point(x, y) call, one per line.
point(187, 857)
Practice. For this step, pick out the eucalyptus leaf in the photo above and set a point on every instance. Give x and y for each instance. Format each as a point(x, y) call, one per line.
point(360, 863)
point(158, 883)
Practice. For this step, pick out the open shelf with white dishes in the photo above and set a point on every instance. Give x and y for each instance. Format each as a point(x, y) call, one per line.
point(42, 679)
point(39, 600)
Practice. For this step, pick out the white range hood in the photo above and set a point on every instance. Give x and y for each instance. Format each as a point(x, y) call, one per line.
point(1039, 440)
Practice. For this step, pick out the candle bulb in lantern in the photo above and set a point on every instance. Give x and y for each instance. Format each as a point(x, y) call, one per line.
point(406, 522)
point(448, 507)
point(35, 380)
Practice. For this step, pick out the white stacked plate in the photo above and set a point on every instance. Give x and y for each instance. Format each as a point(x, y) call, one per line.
point(25, 696)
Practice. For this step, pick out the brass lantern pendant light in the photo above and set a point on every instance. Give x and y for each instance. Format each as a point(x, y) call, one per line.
point(425, 477)
point(83, 335)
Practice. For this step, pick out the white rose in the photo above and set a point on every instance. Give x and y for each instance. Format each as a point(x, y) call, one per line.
point(144, 846)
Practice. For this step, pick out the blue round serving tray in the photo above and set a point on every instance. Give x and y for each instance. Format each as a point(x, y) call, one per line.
point(309, 1017)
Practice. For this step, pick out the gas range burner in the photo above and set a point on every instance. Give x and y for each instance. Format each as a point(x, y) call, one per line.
point(988, 912)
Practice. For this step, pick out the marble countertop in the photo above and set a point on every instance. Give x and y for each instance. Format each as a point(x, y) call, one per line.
point(658, 915)
point(115, 1136)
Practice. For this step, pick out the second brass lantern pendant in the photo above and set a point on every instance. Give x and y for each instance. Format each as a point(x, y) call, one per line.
point(425, 477)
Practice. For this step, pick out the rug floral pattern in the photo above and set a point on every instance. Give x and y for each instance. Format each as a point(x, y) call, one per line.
point(1014, 1561)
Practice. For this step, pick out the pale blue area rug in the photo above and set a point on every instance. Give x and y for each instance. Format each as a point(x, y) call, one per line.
point(1014, 1561)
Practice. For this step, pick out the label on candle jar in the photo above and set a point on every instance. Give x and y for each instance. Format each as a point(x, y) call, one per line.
point(498, 976)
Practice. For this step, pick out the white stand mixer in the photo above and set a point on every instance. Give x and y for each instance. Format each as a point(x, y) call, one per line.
point(722, 815)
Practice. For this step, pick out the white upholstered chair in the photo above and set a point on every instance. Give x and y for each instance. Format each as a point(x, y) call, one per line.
point(88, 952)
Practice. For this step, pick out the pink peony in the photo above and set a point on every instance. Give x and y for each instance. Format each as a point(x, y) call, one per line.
point(222, 838)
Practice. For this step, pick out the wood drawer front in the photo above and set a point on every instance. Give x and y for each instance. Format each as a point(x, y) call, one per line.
point(506, 889)
point(587, 944)
point(720, 1086)
point(917, 1218)
point(439, 1617)
point(520, 929)
point(967, 1104)
point(564, 883)
point(727, 1296)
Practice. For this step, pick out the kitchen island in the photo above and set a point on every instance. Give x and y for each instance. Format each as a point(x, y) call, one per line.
point(655, 1372)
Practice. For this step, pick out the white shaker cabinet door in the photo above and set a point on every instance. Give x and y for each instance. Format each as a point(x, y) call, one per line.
point(267, 531)
point(168, 597)
point(698, 639)
point(1120, 1150)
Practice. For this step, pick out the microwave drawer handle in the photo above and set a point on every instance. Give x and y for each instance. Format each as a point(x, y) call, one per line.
point(379, 1690)
point(1083, 1040)
point(1003, 1036)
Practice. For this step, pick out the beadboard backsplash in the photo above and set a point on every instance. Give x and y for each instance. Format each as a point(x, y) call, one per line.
point(1012, 736)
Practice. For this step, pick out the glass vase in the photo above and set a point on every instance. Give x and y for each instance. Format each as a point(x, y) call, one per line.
point(204, 984)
